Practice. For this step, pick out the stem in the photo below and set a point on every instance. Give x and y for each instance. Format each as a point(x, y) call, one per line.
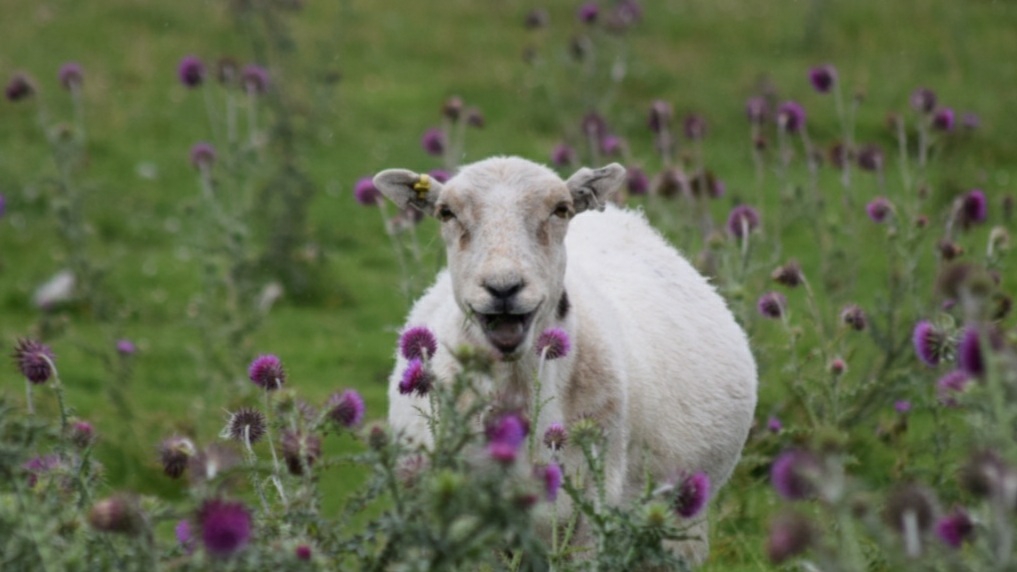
point(59, 389)
point(271, 447)
point(28, 397)
point(252, 460)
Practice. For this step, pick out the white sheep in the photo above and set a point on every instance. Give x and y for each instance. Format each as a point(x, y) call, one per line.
point(657, 360)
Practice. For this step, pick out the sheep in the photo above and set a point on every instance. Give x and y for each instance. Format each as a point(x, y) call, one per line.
point(657, 358)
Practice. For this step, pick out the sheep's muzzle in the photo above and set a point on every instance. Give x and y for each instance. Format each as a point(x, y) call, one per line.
point(506, 331)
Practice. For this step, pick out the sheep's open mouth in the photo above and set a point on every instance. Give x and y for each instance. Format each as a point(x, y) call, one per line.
point(505, 331)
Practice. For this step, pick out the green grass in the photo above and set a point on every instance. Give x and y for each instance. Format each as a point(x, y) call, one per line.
point(398, 61)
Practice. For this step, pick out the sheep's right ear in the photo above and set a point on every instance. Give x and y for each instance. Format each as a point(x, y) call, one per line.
point(591, 188)
point(405, 187)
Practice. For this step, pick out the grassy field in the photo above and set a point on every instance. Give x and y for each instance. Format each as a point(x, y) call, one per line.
point(359, 81)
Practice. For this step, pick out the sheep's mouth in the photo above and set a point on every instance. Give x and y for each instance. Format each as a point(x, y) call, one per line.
point(506, 331)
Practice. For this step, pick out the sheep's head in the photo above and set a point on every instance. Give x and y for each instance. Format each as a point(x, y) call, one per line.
point(504, 222)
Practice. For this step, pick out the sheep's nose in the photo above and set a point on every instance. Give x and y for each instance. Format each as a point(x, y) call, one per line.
point(503, 291)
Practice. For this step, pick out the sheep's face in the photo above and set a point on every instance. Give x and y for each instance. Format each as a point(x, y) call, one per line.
point(504, 223)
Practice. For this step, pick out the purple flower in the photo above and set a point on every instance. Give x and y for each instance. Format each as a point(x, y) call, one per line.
point(791, 534)
point(266, 371)
point(418, 343)
point(225, 526)
point(593, 125)
point(175, 454)
point(923, 100)
point(302, 552)
point(246, 425)
point(636, 181)
point(879, 209)
point(772, 305)
point(555, 436)
point(82, 434)
point(950, 384)
point(40, 465)
point(791, 116)
point(691, 495)
point(71, 75)
point(794, 474)
point(902, 406)
point(756, 109)
point(366, 193)
point(943, 119)
point(660, 116)
point(928, 342)
point(695, 127)
point(553, 343)
point(563, 155)
point(954, 528)
point(35, 360)
point(416, 378)
point(202, 155)
point(255, 79)
point(774, 424)
point(588, 12)
point(503, 453)
point(969, 353)
point(433, 141)
point(970, 120)
point(853, 317)
point(974, 208)
point(742, 220)
point(823, 78)
point(510, 429)
point(20, 87)
point(191, 71)
point(184, 538)
point(551, 476)
point(440, 175)
point(870, 158)
point(126, 347)
point(611, 145)
point(300, 450)
point(346, 409)
point(475, 118)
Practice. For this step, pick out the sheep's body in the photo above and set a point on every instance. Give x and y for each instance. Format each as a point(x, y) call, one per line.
point(657, 357)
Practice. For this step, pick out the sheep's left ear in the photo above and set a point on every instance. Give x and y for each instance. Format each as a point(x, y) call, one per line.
point(405, 187)
point(591, 188)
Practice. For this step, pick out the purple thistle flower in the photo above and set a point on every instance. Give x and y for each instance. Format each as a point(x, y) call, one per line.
point(433, 141)
point(300, 450)
point(774, 425)
point(225, 526)
point(928, 342)
point(954, 528)
point(879, 209)
point(636, 181)
point(950, 384)
point(82, 434)
point(184, 537)
point(20, 87)
point(40, 465)
point(553, 343)
point(510, 429)
point(126, 347)
point(593, 125)
point(346, 409)
point(794, 474)
point(175, 454)
point(823, 78)
point(660, 116)
point(302, 552)
point(418, 343)
point(440, 175)
point(245, 425)
point(837, 366)
point(772, 305)
point(475, 118)
point(416, 378)
point(266, 371)
point(969, 353)
point(555, 436)
point(756, 109)
point(35, 360)
point(695, 127)
point(588, 13)
point(691, 495)
point(611, 145)
point(71, 76)
point(970, 120)
point(191, 71)
point(974, 208)
point(504, 453)
point(791, 534)
point(923, 100)
point(902, 406)
point(870, 158)
point(791, 116)
point(255, 79)
point(202, 155)
point(943, 119)
point(366, 193)
point(551, 475)
point(742, 220)
point(563, 155)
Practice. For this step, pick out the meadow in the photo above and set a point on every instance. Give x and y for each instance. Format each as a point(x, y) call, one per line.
point(188, 267)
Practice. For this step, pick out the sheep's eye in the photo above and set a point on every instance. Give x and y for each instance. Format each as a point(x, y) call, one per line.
point(563, 210)
point(445, 214)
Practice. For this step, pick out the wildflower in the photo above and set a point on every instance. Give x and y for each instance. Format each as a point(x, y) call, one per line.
point(202, 155)
point(636, 181)
point(823, 78)
point(952, 383)
point(366, 193)
point(588, 13)
point(902, 406)
point(416, 378)
point(791, 117)
point(440, 175)
point(225, 526)
point(611, 145)
point(789, 274)
point(943, 119)
point(266, 371)
point(418, 343)
point(772, 305)
point(879, 209)
point(854, 317)
point(71, 75)
point(377, 438)
point(255, 79)
point(41, 465)
point(742, 220)
point(474, 118)
point(970, 120)
point(555, 436)
point(929, 342)
point(716, 188)
point(126, 347)
point(175, 453)
point(923, 100)
point(593, 125)
point(756, 109)
point(20, 87)
point(509, 428)
point(183, 533)
point(246, 425)
point(553, 343)
point(791, 534)
point(551, 475)
point(433, 141)
point(300, 450)
point(695, 127)
point(35, 360)
point(870, 158)
point(537, 18)
point(82, 434)
point(346, 409)
point(660, 116)
point(837, 366)
point(452, 108)
point(118, 513)
point(954, 528)
point(302, 552)
point(948, 250)
point(795, 473)
point(563, 155)
point(973, 207)
point(191, 71)
point(969, 353)
point(691, 494)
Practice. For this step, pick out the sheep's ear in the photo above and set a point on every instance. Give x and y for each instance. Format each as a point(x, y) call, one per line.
point(591, 188)
point(405, 187)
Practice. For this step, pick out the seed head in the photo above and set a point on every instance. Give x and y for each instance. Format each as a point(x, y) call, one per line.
point(118, 513)
point(556, 436)
point(300, 450)
point(791, 534)
point(742, 220)
point(823, 78)
point(255, 79)
point(691, 494)
point(879, 209)
point(346, 408)
point(929, 342)
point(790, 274)
point(553, 343)
point(416, 379)
point(795, 474)
point(266, 371)
point(923, 100)
point(35, 360)
point(246, 424)
point(202, 155)
point(870, 158)
point(948, 250)
point(82, 434)
point(475, 118)
point(772, 305)
point(791, 117)
point(225, 526)
point(20, 87)
point(433, 141)
point(853, 317)
point(191, 71)
point(71, 76)
point(418, 343)
point(175, 454)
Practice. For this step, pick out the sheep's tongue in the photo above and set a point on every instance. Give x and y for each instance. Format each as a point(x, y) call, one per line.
point(507, 334)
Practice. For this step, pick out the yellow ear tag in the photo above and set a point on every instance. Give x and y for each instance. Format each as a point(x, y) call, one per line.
point(422, 186)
